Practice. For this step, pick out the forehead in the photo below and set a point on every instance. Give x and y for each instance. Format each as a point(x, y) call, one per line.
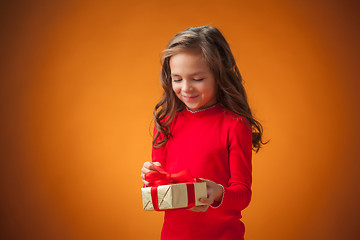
point(188, 62)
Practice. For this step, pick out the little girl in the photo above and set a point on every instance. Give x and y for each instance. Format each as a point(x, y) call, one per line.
point(203, 123)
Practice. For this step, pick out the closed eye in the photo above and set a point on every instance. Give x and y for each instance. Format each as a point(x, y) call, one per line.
point(176, 80)
point(198, 79)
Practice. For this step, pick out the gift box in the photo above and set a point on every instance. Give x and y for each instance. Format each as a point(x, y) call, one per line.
point(171, 191)
point(184, 195)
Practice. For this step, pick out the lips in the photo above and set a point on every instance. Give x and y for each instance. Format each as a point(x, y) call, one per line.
point(190, 98)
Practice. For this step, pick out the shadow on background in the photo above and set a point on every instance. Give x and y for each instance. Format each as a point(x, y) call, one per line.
point(78, 83)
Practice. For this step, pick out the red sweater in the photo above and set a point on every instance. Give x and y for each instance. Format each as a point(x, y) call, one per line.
point(214, 144)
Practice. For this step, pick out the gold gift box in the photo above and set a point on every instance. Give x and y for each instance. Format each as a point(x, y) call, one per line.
point(173, 196)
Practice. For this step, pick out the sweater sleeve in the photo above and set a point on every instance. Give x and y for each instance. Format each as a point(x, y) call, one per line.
point(237, 194)
point(159, 155)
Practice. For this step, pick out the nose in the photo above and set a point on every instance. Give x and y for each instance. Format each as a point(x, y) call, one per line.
point(186, 86)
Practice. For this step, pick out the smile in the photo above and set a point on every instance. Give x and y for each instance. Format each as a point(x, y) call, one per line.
point(189, 98)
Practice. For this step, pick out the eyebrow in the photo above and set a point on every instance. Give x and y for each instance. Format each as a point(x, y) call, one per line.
point(196, 73)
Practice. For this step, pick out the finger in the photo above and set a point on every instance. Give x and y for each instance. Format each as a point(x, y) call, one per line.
point(147, 165)
point(153, 164)
point(145, 170)
point(206, 201)
point(199, 208)
point(143, 179)
point(194, 209)
point(157, 164)
point(145, 182)
point(152, 168)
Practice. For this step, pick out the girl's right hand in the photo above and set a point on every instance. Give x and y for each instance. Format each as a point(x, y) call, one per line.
point(147, 167)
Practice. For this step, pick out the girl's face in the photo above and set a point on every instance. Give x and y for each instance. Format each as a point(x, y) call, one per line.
point(192, 80)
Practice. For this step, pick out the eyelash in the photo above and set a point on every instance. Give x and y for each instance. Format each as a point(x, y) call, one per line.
point(197, 80)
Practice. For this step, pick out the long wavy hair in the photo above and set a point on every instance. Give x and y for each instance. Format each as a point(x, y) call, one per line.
point(230, 90)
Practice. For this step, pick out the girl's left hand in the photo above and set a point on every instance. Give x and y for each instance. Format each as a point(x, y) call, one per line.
point(214, 193)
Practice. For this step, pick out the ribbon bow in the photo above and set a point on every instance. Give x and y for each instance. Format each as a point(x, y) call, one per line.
point(161, 177)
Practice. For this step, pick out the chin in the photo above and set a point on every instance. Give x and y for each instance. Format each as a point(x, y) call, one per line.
point(193, 107)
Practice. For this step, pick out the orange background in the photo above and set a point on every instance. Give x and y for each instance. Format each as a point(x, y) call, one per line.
point(79, 80)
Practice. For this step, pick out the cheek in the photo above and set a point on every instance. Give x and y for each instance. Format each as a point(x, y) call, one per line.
point(214, 87)
point(211, 92)
point(209, 89)
point(176, 88)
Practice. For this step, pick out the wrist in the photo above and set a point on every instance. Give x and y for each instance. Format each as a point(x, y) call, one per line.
point(219, 197)
point(219, 193)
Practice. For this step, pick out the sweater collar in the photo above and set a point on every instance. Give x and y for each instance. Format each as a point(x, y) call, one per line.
point(203, 112)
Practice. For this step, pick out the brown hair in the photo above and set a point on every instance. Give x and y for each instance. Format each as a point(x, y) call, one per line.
point(218, 56)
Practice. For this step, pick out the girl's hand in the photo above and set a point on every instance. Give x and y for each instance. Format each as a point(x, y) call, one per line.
point(214, 193)
point(147, 167)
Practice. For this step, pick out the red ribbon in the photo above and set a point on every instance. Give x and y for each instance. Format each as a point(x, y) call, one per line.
point(161, 177)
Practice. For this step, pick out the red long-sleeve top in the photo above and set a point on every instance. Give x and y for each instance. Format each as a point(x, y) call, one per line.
point(214, 144)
